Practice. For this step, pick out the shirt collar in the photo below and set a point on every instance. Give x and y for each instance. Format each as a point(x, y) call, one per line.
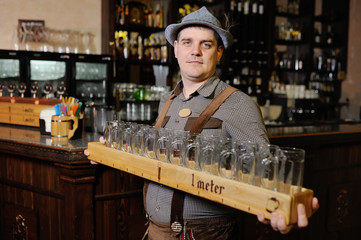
point(206, 90)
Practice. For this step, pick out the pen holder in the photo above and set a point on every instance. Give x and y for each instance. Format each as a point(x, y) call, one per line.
point(63, 126)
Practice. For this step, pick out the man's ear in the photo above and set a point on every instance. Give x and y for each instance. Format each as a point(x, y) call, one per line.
point(175, 48)
point(220, 50)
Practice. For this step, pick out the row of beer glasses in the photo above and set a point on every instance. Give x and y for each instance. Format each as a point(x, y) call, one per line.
point(263, 165)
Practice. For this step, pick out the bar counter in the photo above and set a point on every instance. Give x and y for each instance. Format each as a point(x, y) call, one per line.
point(53, 190)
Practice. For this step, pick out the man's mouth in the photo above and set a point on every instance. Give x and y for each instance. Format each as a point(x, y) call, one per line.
point(195, 61)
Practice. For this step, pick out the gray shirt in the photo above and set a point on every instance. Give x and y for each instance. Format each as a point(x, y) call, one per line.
point(241, 120)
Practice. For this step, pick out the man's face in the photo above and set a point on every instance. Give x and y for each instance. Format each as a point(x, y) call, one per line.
point(197, 53)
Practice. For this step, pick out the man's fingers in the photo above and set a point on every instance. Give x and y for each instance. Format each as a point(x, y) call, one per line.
point(274, 220)
point(315, 204)
point(302, 218)
point(93, 163)
point(262, 219)
point(86, 152)
point(281, 224)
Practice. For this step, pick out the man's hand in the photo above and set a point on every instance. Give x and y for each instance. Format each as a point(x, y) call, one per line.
point(278, 221)
point(87, 153)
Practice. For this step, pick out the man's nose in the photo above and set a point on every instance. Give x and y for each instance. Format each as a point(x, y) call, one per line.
point(196, 50)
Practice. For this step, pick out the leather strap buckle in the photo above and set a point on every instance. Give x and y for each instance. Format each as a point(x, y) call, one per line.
point(176, 227)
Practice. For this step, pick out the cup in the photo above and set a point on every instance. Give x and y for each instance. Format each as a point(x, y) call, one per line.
point(245, 165)
point(121, 127)
point(191, 156)
point(111, 134)
point(129, 130)
point(267, 163)
point(177, 146)
point(291, 168)
point(207, 153)
point(63, 127)
point(227, 159)
point(162, 146)
point(150, 138)
point(138, 140)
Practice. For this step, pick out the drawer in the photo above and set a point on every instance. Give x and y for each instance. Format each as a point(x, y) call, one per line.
point(29, 109)
point(4, 107)
point(24, 119)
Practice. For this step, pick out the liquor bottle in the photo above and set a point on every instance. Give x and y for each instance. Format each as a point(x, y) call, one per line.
point(262, 50)
point(330, 35)
point(140, 48)
point(150, 20)
point(246, 6)
point(228, 78)
point(239, 9)
point(122, 13)
point(126, 49)
point(232, 8)
point(158, 17)
point(317, 36)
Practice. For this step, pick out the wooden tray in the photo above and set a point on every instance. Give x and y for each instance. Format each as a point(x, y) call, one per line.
point(245, 197)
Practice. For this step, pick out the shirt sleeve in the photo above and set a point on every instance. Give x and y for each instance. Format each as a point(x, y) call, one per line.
point(245, 121)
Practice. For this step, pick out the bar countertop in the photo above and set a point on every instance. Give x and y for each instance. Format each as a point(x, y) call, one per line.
point(314, 134)
point(28, 141)
point(328, 132)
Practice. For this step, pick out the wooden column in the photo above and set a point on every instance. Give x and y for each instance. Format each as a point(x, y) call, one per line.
point(77, 183)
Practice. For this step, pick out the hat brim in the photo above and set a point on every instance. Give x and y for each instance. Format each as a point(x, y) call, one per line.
point(172, 30)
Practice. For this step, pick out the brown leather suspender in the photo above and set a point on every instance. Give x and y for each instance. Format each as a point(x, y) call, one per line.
point(178, 196)
point(210, 109)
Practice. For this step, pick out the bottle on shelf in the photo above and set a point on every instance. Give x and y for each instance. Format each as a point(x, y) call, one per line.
point(317, 35)
point(246, 7)
point(330, 35)
point(150, 16)
point(158, 17)
point(122, 13)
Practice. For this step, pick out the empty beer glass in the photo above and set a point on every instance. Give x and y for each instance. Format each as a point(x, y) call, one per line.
point(245, 165)
point(267, 165)
point(150, 138)
point(291, 167)
point(208, 152)
point(111, 134)
point(138, 140)
point(121, 127)
point(163, 144)
point(227, 158)
point(129, 130)
point(192, 153)
point(177, 146)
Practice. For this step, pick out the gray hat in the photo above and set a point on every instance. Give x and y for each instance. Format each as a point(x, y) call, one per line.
point(200, 17)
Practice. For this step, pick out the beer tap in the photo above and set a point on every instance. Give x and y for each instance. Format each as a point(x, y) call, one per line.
point(34, 88)
point(2, 88)
point(60, 90)
point(11, 89)
point(47, 89)
point(22, 89)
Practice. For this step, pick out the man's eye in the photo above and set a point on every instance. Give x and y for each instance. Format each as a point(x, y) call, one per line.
point(186, 42)
point(207, 45)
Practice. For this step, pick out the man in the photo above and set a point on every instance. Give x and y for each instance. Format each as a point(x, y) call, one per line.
point(199, 42)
